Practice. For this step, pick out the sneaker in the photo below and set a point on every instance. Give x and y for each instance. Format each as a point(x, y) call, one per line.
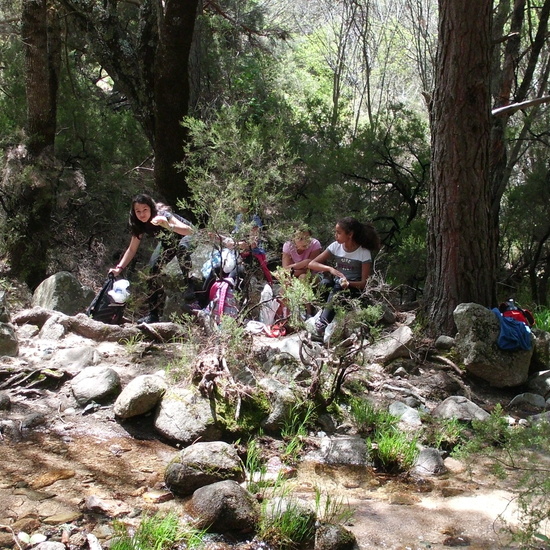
point(148, 319)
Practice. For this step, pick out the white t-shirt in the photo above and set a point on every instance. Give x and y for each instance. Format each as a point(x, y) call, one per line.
point(350, 264)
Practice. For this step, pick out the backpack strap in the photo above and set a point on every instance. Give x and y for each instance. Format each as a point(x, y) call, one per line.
point(221, 300)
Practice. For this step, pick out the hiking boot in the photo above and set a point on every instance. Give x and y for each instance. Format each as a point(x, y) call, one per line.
point(148, 319)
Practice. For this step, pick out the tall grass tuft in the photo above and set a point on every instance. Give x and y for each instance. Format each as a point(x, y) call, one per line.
point(157, 532)
point(295, 429)
point(330, 509)
point(255, 466)
point(285, 524)
point(367, 418)
point(394, 451)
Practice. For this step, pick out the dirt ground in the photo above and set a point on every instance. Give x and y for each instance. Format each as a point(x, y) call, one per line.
point(50, 475)
point(56, 457)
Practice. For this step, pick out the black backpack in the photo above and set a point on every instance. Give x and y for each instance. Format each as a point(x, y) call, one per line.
point(103, 308)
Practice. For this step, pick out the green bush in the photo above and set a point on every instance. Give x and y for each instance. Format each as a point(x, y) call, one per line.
point(442, 433)
point(542, 318)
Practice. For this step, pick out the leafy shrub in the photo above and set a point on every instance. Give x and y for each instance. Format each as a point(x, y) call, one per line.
point(442, 433)
point(542, 318)
point(296, 294)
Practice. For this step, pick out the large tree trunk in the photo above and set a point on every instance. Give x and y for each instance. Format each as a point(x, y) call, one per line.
point(29, 193)
point(41, 38)
point(461, 267)
point(172, 90)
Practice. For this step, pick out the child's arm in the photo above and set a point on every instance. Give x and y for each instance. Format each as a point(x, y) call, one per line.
point(128, 256)
point(365, 273)
point(320, 263)
point(172, 223)
point(302, 265)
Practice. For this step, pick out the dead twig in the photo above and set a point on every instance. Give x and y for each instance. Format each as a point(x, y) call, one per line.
point(448, 363)
point(8, 528)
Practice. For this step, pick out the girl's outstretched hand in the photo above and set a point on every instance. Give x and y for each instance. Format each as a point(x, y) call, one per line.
point(160, 220)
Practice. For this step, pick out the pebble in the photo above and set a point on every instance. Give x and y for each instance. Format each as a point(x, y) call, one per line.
point(156, 497)
point(36, 496)
point(64, 517)
point(51, 477)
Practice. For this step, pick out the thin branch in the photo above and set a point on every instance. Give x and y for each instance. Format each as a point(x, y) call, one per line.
point(508, 109)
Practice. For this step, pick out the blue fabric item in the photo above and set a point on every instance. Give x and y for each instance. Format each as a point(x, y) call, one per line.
point(514, 335)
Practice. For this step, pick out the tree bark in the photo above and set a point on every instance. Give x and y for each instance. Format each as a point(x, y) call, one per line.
point(29, 191)
point(41, 38)
point(461, 267)
point(172, 94)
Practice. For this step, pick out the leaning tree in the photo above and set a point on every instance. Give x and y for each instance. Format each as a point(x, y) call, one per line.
point(145, 48)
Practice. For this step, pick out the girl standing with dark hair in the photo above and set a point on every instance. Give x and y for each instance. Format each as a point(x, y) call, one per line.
point(347, 261)
point(156, 219)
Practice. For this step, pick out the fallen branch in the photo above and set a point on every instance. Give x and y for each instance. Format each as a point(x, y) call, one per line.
point(85, 326)
point(447, 363)
point(36, 376)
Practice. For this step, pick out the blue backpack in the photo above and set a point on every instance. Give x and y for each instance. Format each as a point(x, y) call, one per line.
point(514, 335)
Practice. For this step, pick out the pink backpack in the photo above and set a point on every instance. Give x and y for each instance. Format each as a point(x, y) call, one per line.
point(222, 299)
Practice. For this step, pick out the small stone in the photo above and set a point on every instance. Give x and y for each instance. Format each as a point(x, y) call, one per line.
point(457, 541)
point(454, 466)
point(108, 506)
point(36, 496)
point(50, 545)
point(28, 524)
point(78, 540)
point(51, 477)
point(6, 540)
point(5, 401)
point(64, 517)
point(103, 531)
point(156, 497)
point(445, 343)
point(402, 499)
point(139, 492)
point(451, 491)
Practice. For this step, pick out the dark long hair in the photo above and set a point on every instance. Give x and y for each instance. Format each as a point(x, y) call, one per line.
point(364, 234)
point(137, 227)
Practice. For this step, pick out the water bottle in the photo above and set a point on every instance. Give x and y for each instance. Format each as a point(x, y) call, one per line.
point(266, 294)
point(267, 315)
